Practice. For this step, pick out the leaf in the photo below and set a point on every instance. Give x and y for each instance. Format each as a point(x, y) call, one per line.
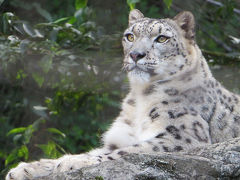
point(61, 149)
point(50, 149)
point(61, 20)
point(38, 34)
point(29, 30)
point(72, 20)
point(168, 3)
point(5, 24)
point(23, 152)
point(46, 63)
point(99, 178)
point(31, 129)
point(38, 78)
point(11, 157)
point(24, 46)
point(56, 131)
point(132, 3)
point(54, 34)
point(16, 130)
point(234, 39)
point(36, 123)
point(79, 4)
point(18, 27)
point(21, 75)
point(79, 14)
point(28, 134)
point(40, 108)
point(17, 137)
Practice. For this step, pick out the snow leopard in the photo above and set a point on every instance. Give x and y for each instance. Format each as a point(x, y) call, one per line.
point(174, 103)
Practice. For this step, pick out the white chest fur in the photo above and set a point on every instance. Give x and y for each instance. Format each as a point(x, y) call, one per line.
point(144, 127)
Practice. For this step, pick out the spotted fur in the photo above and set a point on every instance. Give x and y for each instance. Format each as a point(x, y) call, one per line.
point(174, 102)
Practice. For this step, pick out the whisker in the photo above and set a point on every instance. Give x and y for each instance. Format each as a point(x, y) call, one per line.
point(125, 67)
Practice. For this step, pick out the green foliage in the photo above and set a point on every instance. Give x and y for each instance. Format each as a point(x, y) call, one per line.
point(168, 3)
point(29, 55)
point(80, 4)
point(132, 3)
point(38, 78)
point(99, 178)
point(16, 130)
point(86, 111)
point(56, 131)
point(23, 140)
point(65, 31)
point(20, 153)
point(51, 149)
point(37, 56)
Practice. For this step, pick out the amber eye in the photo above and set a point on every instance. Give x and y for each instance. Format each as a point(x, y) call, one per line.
point(162, 39)
point(130, 37)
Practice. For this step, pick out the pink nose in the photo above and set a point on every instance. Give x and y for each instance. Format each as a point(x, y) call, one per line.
point(136, 55)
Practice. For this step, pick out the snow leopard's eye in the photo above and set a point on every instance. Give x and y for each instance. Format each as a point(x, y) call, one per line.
point(161, 39)
point(130, 37)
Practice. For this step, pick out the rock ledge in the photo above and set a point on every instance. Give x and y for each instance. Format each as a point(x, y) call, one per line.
point(217, 161)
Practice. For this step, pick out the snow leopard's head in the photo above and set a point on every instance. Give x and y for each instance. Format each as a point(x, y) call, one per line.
point(158, 49)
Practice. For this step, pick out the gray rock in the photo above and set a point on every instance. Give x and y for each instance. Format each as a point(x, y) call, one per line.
point(218, 161)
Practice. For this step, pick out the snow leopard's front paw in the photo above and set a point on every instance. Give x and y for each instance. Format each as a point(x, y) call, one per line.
point(31, 170)
point(74, 162)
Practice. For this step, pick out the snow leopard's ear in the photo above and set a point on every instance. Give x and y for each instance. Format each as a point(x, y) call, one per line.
point(134, 15)
point(186, 22)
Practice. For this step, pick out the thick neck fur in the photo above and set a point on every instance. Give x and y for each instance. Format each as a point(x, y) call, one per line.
point(193, 76)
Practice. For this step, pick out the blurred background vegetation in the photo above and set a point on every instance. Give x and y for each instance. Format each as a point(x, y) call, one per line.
point(60, 68)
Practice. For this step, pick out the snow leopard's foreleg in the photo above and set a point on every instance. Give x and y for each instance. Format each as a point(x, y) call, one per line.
point(68, 163)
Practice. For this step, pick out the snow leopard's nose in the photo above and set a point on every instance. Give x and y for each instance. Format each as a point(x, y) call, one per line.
point(137, 55)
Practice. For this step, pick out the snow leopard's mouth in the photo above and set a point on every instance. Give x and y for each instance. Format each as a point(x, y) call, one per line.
point(138, 68)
